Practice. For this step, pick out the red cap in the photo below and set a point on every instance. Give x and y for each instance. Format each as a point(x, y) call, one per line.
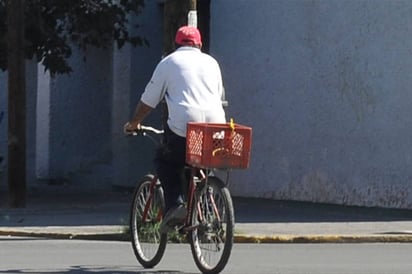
point(188, 36)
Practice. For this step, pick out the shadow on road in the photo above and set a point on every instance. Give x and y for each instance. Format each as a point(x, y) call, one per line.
point(93, 269)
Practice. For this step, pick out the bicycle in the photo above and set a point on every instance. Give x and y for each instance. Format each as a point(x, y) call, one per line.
point(209, 222)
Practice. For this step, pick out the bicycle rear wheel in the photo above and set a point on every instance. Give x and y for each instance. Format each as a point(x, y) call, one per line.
point(145, 219)
point(213, 220)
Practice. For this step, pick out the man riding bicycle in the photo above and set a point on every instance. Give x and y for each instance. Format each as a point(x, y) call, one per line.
point(191, 84)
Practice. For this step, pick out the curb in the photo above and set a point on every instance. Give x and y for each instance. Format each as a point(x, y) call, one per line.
point(293, 239)
point(68, 236)
point(239, 238)
point(101, 236)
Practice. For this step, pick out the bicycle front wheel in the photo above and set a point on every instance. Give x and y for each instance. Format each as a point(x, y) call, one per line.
point(145, 217)
point(213, 221)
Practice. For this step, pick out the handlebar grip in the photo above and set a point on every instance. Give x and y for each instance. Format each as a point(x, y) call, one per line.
point(151, 129)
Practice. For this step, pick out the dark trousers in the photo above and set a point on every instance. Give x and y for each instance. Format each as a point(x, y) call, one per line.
point(170, 167)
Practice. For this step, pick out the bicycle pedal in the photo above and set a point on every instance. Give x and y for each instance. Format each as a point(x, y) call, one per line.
point(182, 229)
point(188, 228)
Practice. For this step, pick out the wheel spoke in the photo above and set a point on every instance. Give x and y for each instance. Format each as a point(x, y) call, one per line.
point(148, 243)
point(213, 218)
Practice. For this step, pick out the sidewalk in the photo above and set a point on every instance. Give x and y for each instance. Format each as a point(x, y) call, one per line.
point(66, 212)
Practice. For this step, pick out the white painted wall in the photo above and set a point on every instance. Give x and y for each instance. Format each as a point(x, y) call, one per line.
point(42, 124)
point(325, 85)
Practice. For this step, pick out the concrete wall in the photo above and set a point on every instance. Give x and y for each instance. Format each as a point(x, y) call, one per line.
point(132, 69)
point(3, 128)
point(327, 85)
point(31, 103)
point(75, 121)
point(86, 145)
point(68, 123)
point(324, 84)
point(79, 126)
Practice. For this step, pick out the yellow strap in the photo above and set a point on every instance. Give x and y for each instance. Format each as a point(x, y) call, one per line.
point(232, 124)
point(217, 150)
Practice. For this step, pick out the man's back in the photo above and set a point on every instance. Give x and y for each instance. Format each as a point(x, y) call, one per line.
point(191, 83)
point(197, 75)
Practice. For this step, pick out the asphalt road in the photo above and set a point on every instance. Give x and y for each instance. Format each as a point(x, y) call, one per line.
point(35, 255)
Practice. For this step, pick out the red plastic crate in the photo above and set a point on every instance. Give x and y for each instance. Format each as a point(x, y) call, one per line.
point(210, 145)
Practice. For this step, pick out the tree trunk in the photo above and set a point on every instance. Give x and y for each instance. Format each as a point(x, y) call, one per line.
point(16, 105)
point(175, 16)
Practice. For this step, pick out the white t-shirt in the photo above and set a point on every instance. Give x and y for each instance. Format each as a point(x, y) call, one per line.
point(191, 83)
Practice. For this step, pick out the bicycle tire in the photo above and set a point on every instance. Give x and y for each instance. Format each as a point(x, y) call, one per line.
point(148, 243)
point(211, 240)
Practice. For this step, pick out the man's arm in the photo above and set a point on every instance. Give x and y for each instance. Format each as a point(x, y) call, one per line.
point(141, 111)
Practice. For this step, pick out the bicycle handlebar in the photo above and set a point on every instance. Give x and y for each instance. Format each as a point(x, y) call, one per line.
point(151, 129)
point(144, 130)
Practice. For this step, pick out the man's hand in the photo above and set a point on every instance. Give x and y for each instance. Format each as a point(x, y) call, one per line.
point(142, 110)
point(131, 127)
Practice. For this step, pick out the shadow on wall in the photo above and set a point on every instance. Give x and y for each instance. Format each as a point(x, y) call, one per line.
point(1, 119)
